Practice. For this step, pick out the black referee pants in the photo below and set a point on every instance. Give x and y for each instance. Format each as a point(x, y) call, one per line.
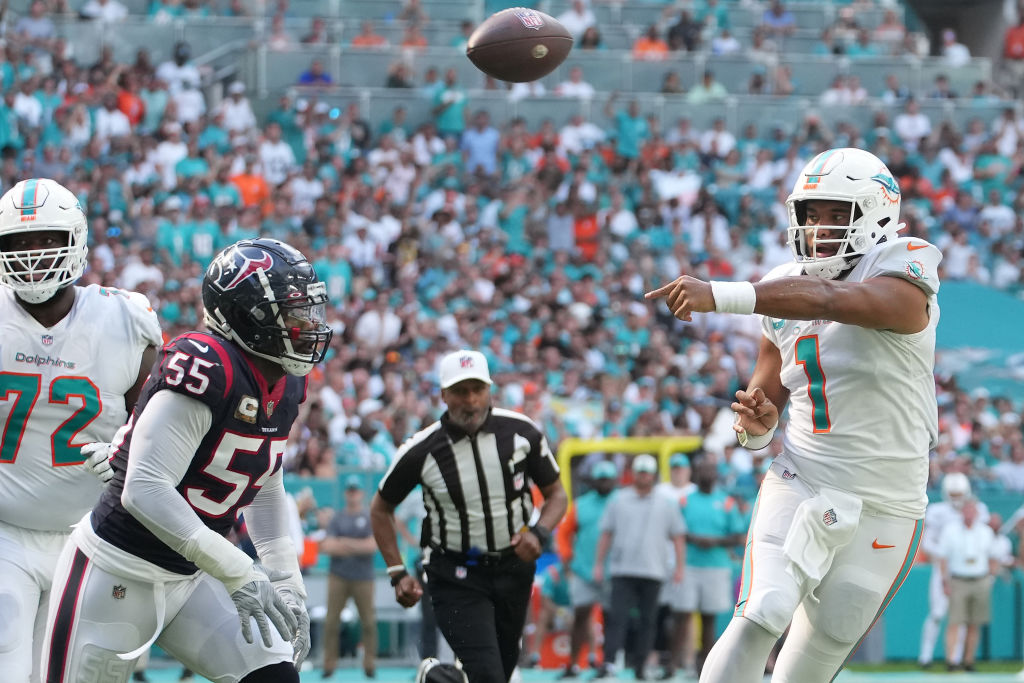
point(481, 610)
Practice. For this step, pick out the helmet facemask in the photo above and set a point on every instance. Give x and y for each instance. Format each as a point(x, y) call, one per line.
point(36, 273)
point(859, 180)
point(290, 331)
point(840, 252)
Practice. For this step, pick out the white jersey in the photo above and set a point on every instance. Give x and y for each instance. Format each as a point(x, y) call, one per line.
point(61, 388)
point(862, 412)
point(937, 517)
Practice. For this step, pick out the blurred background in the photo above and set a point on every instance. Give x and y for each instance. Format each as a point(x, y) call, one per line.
point(446, 210)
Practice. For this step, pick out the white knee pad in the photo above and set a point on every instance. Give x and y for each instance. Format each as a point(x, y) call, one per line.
point(773, 607)
point(12, 634)
point(853, 611)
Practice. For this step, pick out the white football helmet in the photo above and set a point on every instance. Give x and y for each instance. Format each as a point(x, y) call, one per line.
point(956, 488)
point(847, 175)
point(35, 205)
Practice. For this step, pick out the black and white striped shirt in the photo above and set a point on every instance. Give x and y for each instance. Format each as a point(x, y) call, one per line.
point(476, 489)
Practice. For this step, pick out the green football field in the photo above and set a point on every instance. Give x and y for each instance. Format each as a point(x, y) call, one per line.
point(988, 672)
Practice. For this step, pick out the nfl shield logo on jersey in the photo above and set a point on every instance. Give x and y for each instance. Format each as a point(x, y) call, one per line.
point(270, 408)
point(829, 517)
point(47, 339)
point(118, 592)
point(460, 572)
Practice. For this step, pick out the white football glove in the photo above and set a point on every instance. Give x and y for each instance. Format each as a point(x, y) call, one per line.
point(297, 605)
point(97, 459)
point(258, 599)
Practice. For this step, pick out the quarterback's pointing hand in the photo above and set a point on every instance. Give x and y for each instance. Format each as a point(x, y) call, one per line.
point(685, 295)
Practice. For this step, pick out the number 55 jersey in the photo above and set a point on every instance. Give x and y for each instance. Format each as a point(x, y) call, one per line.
point(242, 448)
point(862, 411)
point(62, 387)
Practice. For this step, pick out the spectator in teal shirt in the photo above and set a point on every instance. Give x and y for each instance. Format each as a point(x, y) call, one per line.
point(193, 165)
point(202, 230)
point(336, 272)
point(576, 542)
point(714, 524)
point(450, 107)
point(172, 238)
point(9, 133)
point(631, 129)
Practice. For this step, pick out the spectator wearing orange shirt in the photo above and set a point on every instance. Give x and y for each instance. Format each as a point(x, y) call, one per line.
point(128, 100)
point(252, 186)
point(367, 38)
point(413, 39)
point(1013, 54)
point(650, 46)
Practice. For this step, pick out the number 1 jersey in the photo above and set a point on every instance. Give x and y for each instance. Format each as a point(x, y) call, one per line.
point(242, 448)
point(862, 408)
point(62, 387)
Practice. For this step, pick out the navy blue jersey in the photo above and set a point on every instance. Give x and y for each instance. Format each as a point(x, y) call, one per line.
point(242, 449)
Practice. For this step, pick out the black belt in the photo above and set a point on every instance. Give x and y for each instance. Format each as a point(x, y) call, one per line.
point(970, 578)
point(475, 558)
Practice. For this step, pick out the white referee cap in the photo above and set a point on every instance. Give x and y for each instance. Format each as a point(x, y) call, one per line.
point(462, 365)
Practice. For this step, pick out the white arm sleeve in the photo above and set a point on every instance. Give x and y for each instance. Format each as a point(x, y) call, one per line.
point(164, 441)
point(266, 519)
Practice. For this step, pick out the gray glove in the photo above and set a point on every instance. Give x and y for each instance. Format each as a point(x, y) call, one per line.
point(257, 599)
point(97, 459)
point(297, 606)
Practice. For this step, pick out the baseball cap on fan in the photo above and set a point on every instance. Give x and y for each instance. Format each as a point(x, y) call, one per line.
point(645, 463)
point(463, 365)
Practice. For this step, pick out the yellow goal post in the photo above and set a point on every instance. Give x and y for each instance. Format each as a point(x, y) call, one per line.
point(661, 447)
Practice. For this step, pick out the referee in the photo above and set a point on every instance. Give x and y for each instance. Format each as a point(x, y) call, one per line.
point(475, 466)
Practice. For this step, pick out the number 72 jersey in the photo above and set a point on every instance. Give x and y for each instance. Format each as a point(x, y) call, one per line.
point(60, 388)
point(862, 412)
point(243, 447)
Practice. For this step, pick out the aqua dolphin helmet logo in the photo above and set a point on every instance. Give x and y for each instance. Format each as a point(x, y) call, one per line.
point(890, 188)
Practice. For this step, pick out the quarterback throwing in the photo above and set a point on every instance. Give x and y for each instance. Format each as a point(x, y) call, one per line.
point(848, 341)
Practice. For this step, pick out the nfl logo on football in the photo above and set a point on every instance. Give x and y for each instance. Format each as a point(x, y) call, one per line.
point(829, 517)
point(530, 19)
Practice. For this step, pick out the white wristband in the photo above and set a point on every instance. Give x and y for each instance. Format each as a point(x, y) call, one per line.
point(396, 569)
point(734, 297)
point(756, 443)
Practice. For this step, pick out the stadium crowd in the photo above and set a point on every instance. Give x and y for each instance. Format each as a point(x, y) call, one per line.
point(534, 245)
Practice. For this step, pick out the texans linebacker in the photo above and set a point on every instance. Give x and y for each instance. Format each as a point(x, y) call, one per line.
point(151, 562)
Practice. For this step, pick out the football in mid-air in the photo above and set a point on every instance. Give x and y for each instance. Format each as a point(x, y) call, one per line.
point(519, 45)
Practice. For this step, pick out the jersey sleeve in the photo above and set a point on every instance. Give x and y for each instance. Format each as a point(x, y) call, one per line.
point(541, 463)
point(910, 259)
point(768, 328)
point(141, 323)
point(403, 475)
point(198, 366)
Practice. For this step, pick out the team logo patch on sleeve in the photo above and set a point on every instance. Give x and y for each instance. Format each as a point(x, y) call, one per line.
point(915, 270)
